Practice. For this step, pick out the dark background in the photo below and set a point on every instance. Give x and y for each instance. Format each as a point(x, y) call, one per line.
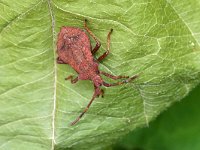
point(178, 128)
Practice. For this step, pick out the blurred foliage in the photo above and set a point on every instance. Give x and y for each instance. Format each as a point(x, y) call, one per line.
point(176, 129)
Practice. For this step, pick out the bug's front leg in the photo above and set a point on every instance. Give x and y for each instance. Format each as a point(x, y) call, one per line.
point(96, 93)
point(71, 78)
point(102, 93)
point(121, 82)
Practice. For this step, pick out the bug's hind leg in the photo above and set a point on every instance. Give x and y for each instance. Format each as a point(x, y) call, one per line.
point(71, 78)
point(98, 44)
point(108, 47)
point(112, 76)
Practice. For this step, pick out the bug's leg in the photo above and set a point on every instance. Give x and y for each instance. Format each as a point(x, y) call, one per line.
point(71, 78)
point(108, 47)
point(97, 92)
point(98, 44)
point(112, 76)
point(85, 110)
point(121, 82)
point(102, 93)
point(59, 61)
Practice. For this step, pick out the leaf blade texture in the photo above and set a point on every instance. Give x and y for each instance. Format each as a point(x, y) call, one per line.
point(158, 38)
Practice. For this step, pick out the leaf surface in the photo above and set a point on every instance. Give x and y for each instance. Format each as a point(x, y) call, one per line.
point(159, 39)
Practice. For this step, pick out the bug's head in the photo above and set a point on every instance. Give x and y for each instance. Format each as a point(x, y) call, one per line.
point(97, 80)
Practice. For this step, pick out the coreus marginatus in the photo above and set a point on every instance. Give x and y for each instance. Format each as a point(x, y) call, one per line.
point(74, 48)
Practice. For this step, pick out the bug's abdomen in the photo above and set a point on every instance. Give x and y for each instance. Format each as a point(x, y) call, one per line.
point(74, 48)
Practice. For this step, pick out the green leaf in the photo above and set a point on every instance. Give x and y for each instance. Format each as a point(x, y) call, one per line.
point(175, 129)
point(157, 38)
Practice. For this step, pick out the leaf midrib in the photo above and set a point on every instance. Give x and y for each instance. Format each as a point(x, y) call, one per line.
point(53, 142)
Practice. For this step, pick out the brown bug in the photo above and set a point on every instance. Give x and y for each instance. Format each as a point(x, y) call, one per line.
point(74, 48)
